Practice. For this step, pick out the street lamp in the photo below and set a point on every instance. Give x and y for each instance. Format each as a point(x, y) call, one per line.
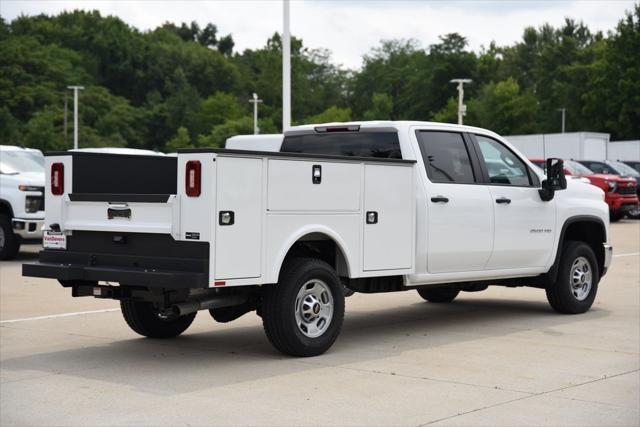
point(286, 68)
point(255, 101)
point(462, 109)
point(564, 112)
point(75, 113)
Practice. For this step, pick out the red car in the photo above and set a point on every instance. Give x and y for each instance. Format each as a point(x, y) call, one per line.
point(619, 192)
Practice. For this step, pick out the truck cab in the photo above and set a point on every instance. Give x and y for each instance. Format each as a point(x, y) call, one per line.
point(364, 206)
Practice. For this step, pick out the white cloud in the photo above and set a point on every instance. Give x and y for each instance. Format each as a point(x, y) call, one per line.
point(349, 28)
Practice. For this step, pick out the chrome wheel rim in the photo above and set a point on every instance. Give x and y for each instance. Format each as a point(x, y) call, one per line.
point(314, 308)
point(581, 278)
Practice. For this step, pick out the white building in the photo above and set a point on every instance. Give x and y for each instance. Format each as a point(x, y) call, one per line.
point(571, 145)
point(624, 150)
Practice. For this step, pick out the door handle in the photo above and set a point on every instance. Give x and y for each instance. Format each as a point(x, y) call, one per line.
point(503, 200)
point(372, 217)
point(440, 199)
point(226, 218)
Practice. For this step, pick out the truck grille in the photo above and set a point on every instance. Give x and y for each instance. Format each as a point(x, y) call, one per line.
point(626, 189)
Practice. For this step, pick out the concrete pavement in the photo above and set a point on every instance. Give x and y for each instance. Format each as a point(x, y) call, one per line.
point(499, 357)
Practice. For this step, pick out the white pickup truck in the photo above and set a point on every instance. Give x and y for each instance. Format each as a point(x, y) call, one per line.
point(366, 207)
point(21, 198)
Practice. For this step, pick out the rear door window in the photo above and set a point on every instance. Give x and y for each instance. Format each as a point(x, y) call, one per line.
point(446, 157)
point(380, 145)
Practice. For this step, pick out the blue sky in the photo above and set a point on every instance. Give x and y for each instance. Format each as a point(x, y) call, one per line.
point(348, 28)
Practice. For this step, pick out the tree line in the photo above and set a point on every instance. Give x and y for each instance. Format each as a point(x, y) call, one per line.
point(184, 86)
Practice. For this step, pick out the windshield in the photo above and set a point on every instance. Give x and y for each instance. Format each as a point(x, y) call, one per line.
point(625, 169)
point(18, 161)
point(576, 168)
point(635, 165)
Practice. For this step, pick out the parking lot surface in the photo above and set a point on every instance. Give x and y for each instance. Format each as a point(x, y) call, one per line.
point(498, 357)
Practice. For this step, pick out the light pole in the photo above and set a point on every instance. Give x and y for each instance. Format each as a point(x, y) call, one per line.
point(75, 113)
point(286, 68)
point(66, 107)
point(462, 109)
point(564, 112)
point(255, 101)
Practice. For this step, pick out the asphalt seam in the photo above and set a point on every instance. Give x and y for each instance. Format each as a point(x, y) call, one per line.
point(55, 316)
point(531, 396)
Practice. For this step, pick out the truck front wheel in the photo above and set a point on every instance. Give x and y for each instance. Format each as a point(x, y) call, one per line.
point(302, 314)
point(9, 242)
point(577, 284)
point(144, 319)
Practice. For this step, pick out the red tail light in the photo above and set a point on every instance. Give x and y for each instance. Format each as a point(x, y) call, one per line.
point(57, 179)
point(192, 178)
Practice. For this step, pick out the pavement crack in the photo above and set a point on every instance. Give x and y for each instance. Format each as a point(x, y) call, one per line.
point(531, 396)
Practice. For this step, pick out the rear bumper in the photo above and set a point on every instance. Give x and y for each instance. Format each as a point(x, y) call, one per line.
point(131, 259)
point(154, 278)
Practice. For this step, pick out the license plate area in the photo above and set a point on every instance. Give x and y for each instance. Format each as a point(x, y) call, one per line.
point(54, 240)
point(119, 213)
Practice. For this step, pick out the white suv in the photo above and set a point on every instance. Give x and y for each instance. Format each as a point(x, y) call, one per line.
point(21, 197)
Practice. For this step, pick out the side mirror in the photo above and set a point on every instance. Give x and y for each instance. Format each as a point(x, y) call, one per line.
point(555, 181)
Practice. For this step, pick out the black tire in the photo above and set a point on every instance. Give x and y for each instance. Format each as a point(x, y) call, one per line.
point(561, 295)
point(279, 308)
point(439, 295)
point(10, 244)
point(616, 216)
point(142, 317)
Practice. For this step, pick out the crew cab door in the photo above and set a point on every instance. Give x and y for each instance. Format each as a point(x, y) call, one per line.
point(459, 207)
point(524, 224)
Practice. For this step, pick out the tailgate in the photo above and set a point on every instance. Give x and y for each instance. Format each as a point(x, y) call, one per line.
point(114, 192)
point(118, 212)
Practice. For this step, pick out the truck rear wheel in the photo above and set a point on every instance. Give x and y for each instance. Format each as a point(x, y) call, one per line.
point(439, 295)
point(302, 315)
point(9, 242)
point(144, 319)
point(577, 284)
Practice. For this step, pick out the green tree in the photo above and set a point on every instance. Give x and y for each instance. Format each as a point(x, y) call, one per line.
point(220, 107)
point(331, 114)
point(502, 107)
point(181, 140)
point(381, 107)
point(42, 131)
point(612, 101)
point(242, 126)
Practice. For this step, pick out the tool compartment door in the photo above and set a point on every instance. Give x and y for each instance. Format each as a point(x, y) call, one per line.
point(388, 217)
point(238, 242)
point(293, 186)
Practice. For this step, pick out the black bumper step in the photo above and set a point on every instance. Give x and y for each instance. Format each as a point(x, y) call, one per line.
point(150, 278)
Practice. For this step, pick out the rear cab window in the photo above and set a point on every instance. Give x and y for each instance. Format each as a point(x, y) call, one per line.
point(374, 144)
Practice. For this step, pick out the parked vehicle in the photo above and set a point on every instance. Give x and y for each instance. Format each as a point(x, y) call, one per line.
point(635, 164)
point(265, 142)
point(619, 192)
point(21, 198)
point(617, 168)
point(372, 206)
